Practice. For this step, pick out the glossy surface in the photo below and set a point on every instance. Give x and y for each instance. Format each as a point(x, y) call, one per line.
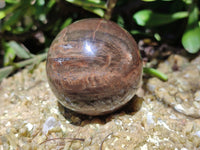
point(94, 67)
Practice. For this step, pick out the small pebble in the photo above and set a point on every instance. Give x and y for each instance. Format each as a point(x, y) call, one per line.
point(49, 124)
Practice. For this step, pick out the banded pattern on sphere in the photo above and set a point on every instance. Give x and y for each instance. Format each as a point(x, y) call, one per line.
point(94, 66)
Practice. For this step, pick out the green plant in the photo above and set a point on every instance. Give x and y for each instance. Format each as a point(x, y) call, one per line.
point(21, 19)
point(27, 27)
point(39, 21)
point(190, 36)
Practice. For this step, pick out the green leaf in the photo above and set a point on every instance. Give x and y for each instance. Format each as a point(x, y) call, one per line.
point(19, 50)
point(41, 2)
point(98, 11)
point(4, 72)
point(135, 32)
point(187, 1)
point(94, 6)
point(120, 21)
point(67, 22)
point(12, 1)
point(191, 40)
point(157, 37)
point(9, 55)
point(13, 19)
point(191, 37)
point(2, 14)
point(49, 5)
point(89, 3)
point(8, 10)
point(152, 19)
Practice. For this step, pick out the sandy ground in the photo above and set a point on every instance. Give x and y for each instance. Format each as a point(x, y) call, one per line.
point(165, 117)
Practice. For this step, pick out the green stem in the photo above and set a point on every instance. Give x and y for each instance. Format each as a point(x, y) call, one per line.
point(156, 73)
point(110, 5)
point(4, 72)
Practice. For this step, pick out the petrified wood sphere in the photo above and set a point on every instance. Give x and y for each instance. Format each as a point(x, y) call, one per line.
point(94, 67)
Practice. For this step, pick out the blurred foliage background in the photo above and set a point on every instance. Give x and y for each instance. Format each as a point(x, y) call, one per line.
point(27, 27)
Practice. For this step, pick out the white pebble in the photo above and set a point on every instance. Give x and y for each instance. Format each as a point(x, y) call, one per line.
point(197, 96)
point(8, 124)
point(29, 126)
point(184, 148)
point(49, 124)
point(179, 108)
point(197, 133)
point(150, 118)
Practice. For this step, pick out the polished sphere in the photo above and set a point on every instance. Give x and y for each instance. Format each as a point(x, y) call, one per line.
point(94, 67)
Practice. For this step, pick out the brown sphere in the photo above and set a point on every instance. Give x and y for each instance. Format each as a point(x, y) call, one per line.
point(94, 67)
